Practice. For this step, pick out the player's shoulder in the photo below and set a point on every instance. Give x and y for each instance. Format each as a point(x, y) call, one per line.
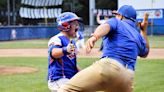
point(113, 19)
point(56, 36)
point(55, 40)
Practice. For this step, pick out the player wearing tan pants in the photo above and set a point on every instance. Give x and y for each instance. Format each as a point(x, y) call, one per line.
point(103, 74)
point(122, 42)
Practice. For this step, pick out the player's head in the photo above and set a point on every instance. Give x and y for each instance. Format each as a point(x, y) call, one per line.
point(128, 12)
point(64, 21)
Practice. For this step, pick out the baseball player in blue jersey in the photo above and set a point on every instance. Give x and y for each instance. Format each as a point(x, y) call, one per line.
point(62, 52)
point(80, 40)
point(114, 72)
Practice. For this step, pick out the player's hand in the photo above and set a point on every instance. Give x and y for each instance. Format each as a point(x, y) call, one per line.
point(70, 48)
point(144, 23)
point(98, 15)
point(90, 44)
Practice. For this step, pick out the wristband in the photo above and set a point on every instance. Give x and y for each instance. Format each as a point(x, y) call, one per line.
point(95, 36)
point(64, 49)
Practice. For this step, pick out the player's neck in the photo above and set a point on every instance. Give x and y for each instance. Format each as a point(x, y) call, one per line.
point(65, 34)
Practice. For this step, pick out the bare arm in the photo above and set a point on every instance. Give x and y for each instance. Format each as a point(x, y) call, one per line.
point(100, 31)
point(98, 19)
point(143, 31)
point(57, 52)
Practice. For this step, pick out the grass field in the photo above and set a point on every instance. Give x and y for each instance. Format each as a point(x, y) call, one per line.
point(155, 42)
point(149, 75)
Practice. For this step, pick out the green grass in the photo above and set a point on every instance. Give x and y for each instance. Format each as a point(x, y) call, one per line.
point(42, 43)
point(34, 82)
point(155, 42)
point(149, 74)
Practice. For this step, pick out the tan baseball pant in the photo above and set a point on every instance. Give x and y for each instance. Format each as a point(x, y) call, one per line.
point(105, 75)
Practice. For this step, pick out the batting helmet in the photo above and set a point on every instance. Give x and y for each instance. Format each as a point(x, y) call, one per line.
point(128, 12)
point(64, 19)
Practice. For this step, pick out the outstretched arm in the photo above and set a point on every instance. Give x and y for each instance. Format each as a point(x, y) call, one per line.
point(143, 31)
point(98, 19)
point(100, 31)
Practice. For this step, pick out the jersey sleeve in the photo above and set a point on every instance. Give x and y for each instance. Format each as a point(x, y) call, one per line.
point(112, 23)
point(54, 43)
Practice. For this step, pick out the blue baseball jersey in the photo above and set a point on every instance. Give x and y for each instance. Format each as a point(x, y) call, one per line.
point(64, 66)
point(124, 42)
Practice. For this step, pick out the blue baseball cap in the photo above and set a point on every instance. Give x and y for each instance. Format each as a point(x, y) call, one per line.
point(128, 12)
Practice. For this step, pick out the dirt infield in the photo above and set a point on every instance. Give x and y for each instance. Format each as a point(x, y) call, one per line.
point(154, 53)
point(8, 70)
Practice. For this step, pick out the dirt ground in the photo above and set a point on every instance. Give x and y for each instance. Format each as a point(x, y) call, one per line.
point(7, 70)
point(10, 70)
point(154, 53)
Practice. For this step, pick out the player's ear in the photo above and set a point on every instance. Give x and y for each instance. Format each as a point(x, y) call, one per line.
point(121, 17)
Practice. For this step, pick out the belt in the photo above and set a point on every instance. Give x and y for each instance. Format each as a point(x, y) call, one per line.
point(121, 63)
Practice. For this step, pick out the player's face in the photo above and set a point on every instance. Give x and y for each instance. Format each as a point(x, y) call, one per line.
point(74, 28)
point(119, 16)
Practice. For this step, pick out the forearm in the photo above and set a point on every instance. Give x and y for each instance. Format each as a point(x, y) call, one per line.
point(143, 31)
point(101, 31)
point(144, 34)
point(57, 52)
